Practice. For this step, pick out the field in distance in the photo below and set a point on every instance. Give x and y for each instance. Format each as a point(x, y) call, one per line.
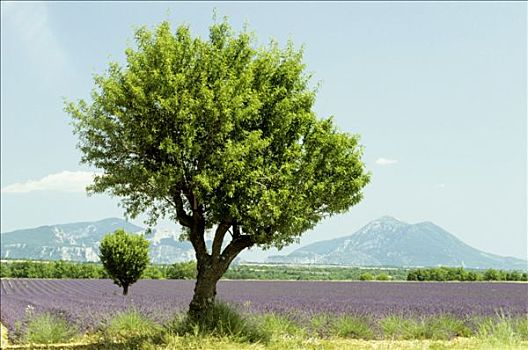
point(328, 313)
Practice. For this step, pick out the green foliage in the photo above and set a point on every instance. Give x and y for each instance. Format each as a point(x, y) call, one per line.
point(460, 274)
point(445, 327)
point(154, 272)
point(499, 332)
point(131, 329)
point(493, 275)
point(298, 343)
point(130, 324)
point(221, 321)
point(280, 326)
point(183, 270)
point(399, 328)
point(51, 269)
point(4, 340)
point(47, 328)
point(353, 327)
point(441, 327)
point(520, 327)
point(383, 277)
point(293, 272)
point(221, 126)
point(217, 132)
point(319, 324)
point(366, 276)
point(124, 256)
point(513, 276)
point(472, 276)
point(187, 270)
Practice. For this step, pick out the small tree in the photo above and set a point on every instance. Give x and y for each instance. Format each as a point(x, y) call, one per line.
point(124, 256)
point(366, 276)
point(219, 135)
point(472, 276)
point(491, 275)
point(513, 276)
point(182, 270)
point(383, 277)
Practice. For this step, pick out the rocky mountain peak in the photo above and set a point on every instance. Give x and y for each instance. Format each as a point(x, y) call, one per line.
point(80, 242)
point(388, 241)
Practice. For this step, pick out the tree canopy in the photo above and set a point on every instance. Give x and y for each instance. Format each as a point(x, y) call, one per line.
point(124, 256)
point(217, 133)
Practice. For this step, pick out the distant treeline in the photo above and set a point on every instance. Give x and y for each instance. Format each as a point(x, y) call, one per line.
point(307, 273)
point(187, 270)
point(460, 274)
point(66, 269)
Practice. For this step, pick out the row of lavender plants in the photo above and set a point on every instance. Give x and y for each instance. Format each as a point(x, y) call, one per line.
point(87, 303)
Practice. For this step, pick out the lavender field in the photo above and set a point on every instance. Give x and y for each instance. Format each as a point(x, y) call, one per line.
point(88, 302)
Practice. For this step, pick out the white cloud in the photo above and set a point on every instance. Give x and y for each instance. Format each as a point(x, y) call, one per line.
point(65, 181)
point(385, 161)
point(439, 186)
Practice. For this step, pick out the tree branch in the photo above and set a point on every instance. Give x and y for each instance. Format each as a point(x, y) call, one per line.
point(183, 218)
point(221, 230)
point(236, 231)
point(234, 248)
point(198, 229)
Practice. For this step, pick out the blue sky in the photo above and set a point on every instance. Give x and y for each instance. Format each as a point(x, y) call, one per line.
point(437, 92)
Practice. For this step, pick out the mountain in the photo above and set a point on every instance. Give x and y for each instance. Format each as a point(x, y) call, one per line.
point(80, 242)
point(390, 242)
point(383, 242)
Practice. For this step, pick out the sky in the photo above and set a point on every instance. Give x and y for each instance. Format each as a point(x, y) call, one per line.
point(437, 91)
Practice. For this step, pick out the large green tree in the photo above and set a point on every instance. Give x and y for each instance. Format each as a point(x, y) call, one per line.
point(219, 135)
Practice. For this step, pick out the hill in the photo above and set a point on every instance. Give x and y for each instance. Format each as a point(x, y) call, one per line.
point(390, 242)
point(80, 242)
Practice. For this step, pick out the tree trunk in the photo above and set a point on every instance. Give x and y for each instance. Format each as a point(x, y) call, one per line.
point(212, 266)
point(125, 289)
point(204, 292)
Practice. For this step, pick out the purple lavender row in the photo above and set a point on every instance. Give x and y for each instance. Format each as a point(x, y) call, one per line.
point(87, 303)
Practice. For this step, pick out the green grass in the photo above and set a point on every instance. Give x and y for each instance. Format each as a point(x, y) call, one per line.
point(280, 327)
point(47, 329)
point(399, 328)
point(520, 327)
point(352, 327)
point(226, 328)
point(221, 321)
point(130, 324)
point(442, 327)
point(190, 342)
point(3, 336)
point(445, 328)
point(500, 331)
